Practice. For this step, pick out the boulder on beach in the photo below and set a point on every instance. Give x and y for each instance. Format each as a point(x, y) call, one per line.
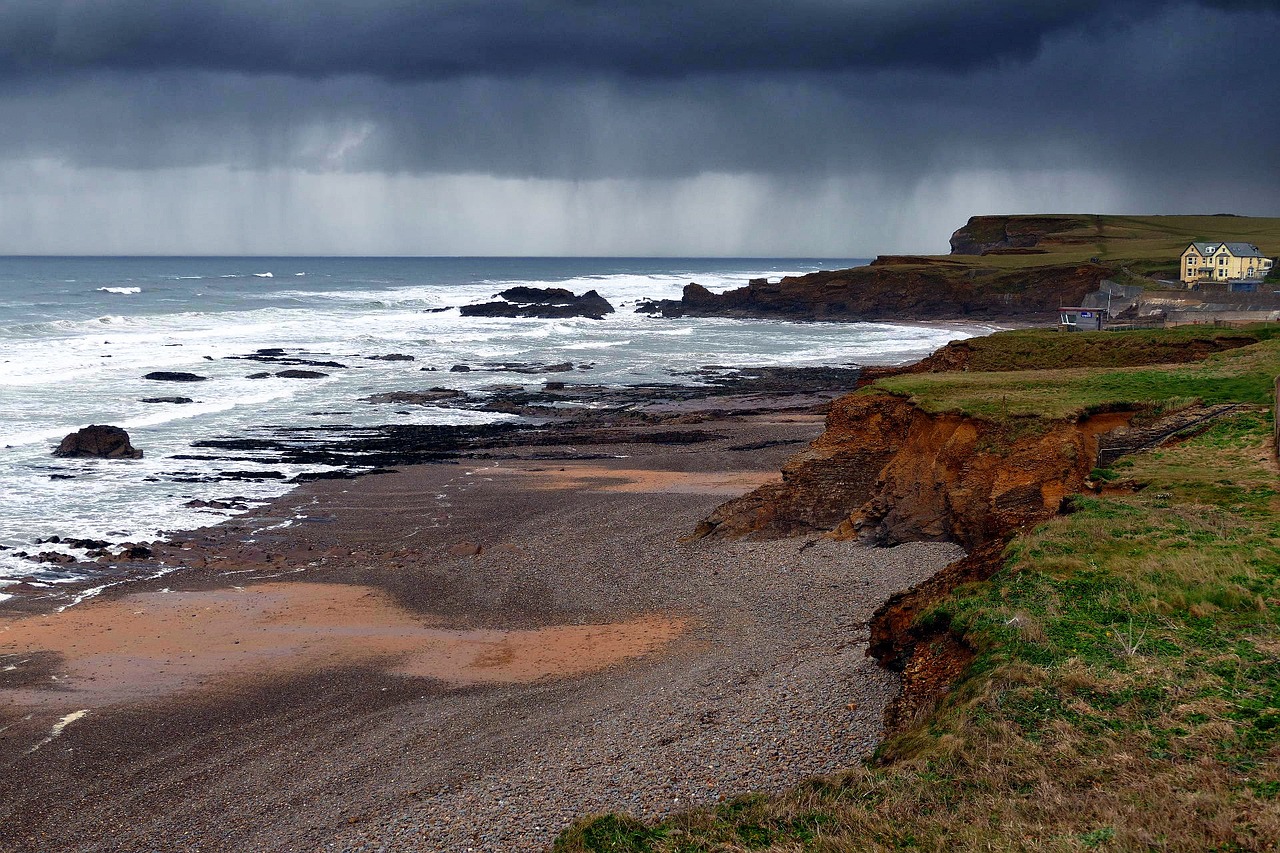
point(542, 302)
point(174, 376)
point(98, 441)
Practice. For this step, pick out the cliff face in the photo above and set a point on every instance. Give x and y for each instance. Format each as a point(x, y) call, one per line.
point(983, 235)
point(889, 472)
point(897, 288)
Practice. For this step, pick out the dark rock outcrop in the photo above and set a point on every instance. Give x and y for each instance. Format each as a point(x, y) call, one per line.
point(896, 288)
point(278, 355)
point(542, 302)
point(417, 398)
point(98, 441)
point(301, 374)
point(178, 400)
point(174, 376)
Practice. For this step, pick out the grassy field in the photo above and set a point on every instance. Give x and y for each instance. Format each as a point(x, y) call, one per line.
point(1240, 375)
point(1049, 349)
point(1126, 689)
point(1142, 243)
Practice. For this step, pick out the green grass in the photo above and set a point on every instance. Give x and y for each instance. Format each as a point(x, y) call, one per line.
point(1125, 693)
point(1241, 375)
point(1044, 349)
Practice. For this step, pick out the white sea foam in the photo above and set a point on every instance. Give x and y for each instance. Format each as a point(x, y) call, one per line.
point(61, 371)
point(121, 290)
point(263, 275)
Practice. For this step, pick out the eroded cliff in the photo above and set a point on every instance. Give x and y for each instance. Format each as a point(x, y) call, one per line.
point(987, 235)
point(887, 471)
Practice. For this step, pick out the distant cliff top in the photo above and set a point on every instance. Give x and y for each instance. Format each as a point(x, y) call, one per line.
point(1079, 237)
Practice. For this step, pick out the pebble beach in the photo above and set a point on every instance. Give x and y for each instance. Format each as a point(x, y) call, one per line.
point(287, 712)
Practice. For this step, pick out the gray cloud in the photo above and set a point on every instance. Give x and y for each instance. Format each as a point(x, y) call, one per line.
point(1139, 102)
point(408, 40)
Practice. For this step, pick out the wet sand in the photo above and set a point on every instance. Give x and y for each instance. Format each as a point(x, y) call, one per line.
point(154, 644)
point(450, 657)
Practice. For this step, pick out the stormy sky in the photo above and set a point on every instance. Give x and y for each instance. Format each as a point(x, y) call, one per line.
point(838, 128)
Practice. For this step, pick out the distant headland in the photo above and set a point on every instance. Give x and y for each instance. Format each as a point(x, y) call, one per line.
point(1017, 267)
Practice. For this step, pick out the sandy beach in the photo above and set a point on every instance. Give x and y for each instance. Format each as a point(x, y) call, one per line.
point(451, 657)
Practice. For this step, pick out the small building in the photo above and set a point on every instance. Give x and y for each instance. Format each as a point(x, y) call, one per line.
point(1113, 299)
point(1078, 319)
point(1210, 261)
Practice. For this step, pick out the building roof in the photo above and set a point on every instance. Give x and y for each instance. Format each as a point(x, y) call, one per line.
point(1240, 250)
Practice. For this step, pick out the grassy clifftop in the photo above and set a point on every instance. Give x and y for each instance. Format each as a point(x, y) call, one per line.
point(1143, 243)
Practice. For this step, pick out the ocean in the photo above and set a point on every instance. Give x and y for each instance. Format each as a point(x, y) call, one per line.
point(77, 335)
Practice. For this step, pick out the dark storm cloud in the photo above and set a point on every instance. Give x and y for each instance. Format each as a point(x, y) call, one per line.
point(1141, 101)
point(413, 40)
point(657, 122)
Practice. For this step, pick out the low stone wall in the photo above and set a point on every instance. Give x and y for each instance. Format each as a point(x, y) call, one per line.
point(1220, 318)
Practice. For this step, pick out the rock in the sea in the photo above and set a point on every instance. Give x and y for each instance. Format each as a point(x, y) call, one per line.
point(420, 398)
point(542, 302)
point(301, 374)
point(98, 441)
point(174, 376)
point(260, 375)
point(179, 400)
point(392, 356)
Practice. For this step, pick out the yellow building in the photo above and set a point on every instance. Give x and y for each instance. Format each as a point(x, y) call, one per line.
point(1210, 261)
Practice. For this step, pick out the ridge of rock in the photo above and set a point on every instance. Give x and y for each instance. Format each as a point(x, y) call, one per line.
point(896, 288)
